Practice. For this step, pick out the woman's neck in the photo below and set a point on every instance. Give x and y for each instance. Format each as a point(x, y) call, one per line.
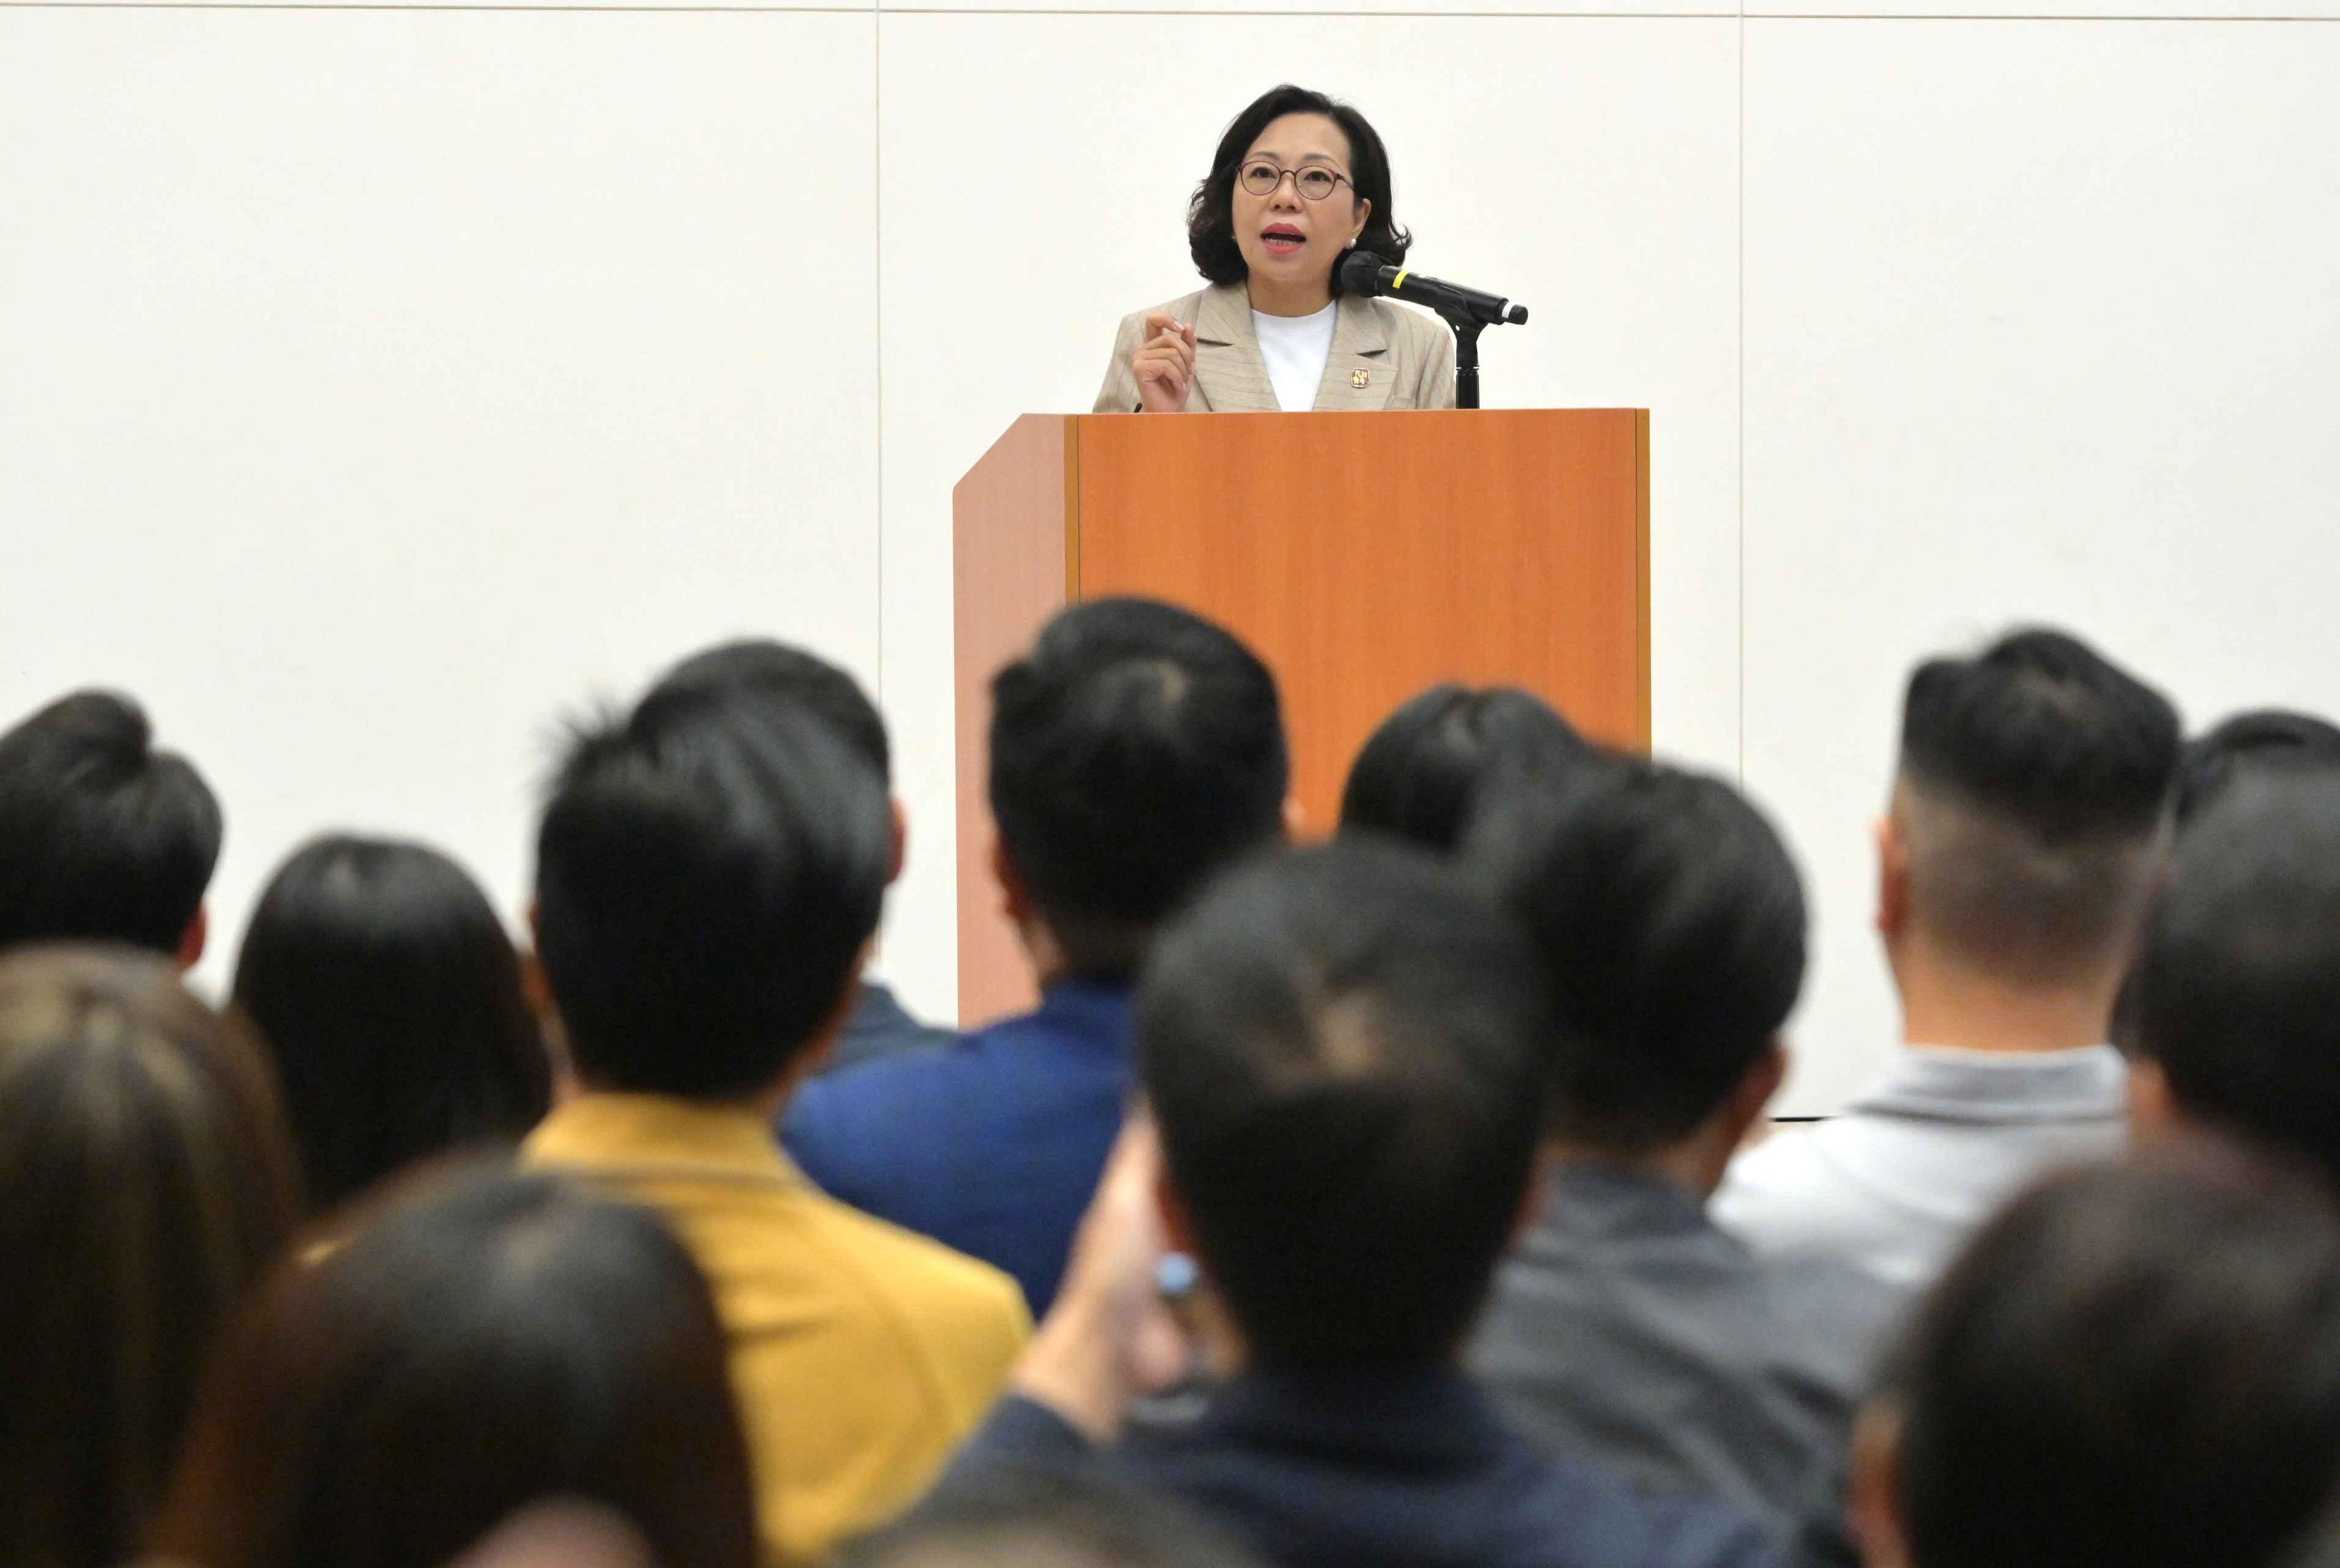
point(1272, 298)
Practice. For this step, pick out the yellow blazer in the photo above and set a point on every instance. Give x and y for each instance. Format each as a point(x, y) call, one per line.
point(862, 1354)
point(1383, 356)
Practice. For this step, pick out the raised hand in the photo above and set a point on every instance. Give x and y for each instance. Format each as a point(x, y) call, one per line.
point(1165, 364)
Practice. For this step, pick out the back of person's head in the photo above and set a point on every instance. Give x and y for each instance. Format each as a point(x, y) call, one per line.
point(145, 1181)
point(1434, 762)
point(1670, 924)
point(389, 996)
point(2132, 1365)
point(1136, 749)
point(2033, 802)
point(1013, 1517)
point(2320, 1544)
point(760, 666)
point(1342, 1050)
point(102, 837)
point(709, 874)
point(2266, 739)
point(2235, 997)
point(483, 1341)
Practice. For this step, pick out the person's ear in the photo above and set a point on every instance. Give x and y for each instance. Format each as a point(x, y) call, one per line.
point(1892, 877)
point(1722, 1135)
point(2154, 1113)
point(1177, 1229)
point(1539, 1190)
point(1364, 216)
point(536, 988)
point(1014, 897)
point(1756, 1089)
point(900, 854)
point(194, 940)
point(1873, 1507)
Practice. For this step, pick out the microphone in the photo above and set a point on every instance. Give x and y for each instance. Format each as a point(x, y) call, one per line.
point(1367, 275)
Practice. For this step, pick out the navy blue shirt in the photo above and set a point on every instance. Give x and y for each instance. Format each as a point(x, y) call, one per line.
point(1392, 1471)
point(882, 1026)
point(992, 1144)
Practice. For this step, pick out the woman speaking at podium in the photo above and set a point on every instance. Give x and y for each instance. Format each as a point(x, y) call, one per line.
point(1298, 181)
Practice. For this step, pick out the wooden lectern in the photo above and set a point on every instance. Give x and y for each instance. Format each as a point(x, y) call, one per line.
point(1364, 556)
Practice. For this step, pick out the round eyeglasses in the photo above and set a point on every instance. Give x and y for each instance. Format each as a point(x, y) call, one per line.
point(1315, 183)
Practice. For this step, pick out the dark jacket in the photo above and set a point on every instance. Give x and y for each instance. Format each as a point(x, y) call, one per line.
point(1400, 1471)
point(1627, 1330)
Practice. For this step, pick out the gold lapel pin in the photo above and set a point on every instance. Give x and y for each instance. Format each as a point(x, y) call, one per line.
point(1359, 379)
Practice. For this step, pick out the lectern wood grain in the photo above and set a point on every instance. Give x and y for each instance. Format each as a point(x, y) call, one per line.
point(1364, 556)
point(1012, 548)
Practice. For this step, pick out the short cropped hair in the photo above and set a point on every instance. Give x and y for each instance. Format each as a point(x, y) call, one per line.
point(2248, 743)
point(2132, 1365)
point(102, 838)
point(2236, 989)
point(708, 874)
point(1211, 215)
point(1670, 923)
point(1134, 751)
point(389, 996)
point(479, 1341)
point(1341, 1048)
point(2035, 789)
point(1434, 762)
point(788, 673)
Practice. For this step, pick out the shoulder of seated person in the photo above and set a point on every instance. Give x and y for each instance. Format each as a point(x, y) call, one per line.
point(915, 1264)
point(1418, 329)
point(974, 1305)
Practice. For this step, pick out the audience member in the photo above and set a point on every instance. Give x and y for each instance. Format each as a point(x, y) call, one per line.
point(1424, 773)
point(2027, 827)
point(102, 837)
point(145, 1181)
point(880, 1024)
point(2249, 743)
point(2237, 992)
point(2132, 1365)
point(1019, 1518)
point(2243, 746)
point(1134, 751)
point(1669, 922)
point(1342, 1054)
point(708, 876)
point(483, 1343)
point(389, 995)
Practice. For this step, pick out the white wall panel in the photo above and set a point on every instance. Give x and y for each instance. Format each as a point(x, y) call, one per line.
point(381, 383)
point(2101, 10)
point(2040, 325)
point(1034, 173)
point(1353, 8)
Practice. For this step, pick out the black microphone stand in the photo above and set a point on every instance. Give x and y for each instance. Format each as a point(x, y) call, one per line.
point(1466, 357)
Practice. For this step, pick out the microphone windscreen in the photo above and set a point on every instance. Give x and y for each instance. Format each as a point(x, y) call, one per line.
point(1360, 274)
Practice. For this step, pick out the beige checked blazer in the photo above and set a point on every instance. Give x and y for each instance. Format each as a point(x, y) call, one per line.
point(1383, 356)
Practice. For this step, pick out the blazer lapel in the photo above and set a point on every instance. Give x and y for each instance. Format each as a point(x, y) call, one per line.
point(1358, 374)
point(1227, 364)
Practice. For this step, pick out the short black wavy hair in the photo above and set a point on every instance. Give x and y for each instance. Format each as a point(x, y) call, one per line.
point(1211, 216)
point(103, 837)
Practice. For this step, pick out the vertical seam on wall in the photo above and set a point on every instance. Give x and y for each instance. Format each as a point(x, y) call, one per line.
point(877, 303)
point(1742, 681)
